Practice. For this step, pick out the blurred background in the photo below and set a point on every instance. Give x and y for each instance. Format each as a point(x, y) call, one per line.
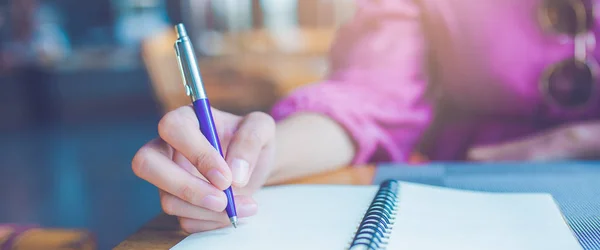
point(84, 83)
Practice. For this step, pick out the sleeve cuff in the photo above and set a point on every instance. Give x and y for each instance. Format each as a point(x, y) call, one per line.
point(345, 108)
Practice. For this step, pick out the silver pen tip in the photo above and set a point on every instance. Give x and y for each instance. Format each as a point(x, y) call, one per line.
point(234, 221)
point(180, 30)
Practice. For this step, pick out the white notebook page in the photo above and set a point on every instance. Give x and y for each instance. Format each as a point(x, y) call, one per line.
point(326, 217)
point(293, 218)
point(434, 218)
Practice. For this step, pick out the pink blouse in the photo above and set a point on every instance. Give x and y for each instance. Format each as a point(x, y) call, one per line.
point(439, 77)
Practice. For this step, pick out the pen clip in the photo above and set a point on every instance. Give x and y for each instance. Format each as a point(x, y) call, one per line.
point(188, 90)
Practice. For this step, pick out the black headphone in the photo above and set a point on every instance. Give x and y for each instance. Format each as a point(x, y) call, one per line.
point(571, 83)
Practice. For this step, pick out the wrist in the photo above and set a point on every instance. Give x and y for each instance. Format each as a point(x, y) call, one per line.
point(282, 158)
point(307, 144)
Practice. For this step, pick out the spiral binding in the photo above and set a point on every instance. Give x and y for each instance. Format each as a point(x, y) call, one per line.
point(376, 226)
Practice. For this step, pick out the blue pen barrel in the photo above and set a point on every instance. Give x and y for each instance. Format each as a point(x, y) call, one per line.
point(207, 125)
point(209, 130)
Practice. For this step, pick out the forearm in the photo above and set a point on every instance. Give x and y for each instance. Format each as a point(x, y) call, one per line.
point(308, 144)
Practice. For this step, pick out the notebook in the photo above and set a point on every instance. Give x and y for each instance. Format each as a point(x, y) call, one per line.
point(393, 215)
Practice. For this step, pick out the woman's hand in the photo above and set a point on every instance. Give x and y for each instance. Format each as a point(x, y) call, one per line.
point(575, 141)
point(191, 175)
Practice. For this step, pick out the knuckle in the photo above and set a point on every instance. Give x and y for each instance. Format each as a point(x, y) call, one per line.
point(267, 125)
point(188, 193)
point(167, 123)
point(187, 226)
point(263, 117)
point(202, 160)
point(250, 138)
point(139, 162)
point(173, 120)
point(258, 115)
point(168, 205)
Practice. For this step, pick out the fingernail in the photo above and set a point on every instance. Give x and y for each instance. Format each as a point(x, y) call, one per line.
point(214, 203)
point(246, 210)
point(239, 170)
point(218, 179)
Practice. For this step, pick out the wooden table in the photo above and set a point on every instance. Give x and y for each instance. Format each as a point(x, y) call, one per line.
point(163, 232)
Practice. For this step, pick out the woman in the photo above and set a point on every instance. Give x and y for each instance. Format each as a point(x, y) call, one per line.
point(456, 80)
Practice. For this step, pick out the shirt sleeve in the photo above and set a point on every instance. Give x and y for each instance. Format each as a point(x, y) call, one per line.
point(377, 82)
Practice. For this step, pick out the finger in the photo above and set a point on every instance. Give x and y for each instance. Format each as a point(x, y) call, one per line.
point(254, 132)
point(151, 164)
point(482, 153)
point(180, 129)
point(534, 147)
point(180, 160)
point(569, 142)
point(502, 152)
point(172, 205)
point(495, 154)
point(191, 226)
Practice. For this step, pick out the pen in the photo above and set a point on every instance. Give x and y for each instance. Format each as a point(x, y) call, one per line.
point(195, 90)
